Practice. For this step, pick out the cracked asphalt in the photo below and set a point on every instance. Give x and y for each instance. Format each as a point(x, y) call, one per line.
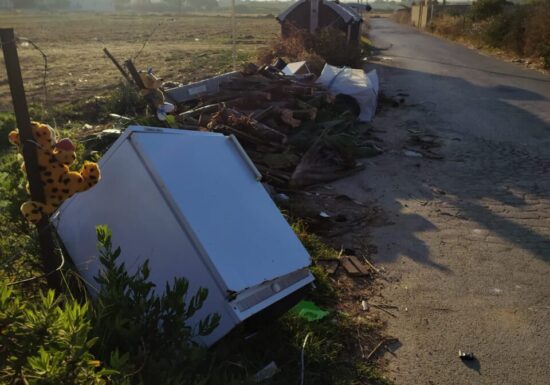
point(465, 244)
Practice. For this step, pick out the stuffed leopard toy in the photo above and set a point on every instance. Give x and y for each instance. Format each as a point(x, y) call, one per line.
point(58, 181)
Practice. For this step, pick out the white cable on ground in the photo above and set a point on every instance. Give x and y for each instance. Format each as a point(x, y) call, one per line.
point(303, 354)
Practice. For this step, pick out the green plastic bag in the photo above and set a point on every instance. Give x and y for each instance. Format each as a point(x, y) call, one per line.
point(309, 310)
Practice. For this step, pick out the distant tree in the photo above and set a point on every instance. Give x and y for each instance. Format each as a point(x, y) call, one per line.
point(484, 9)
point(24, 3)
point(203, 4)
point(120, 4)
point(179, 4)
point(58, 3)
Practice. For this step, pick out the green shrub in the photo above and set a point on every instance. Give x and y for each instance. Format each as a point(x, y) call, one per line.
point(142, 334)
point(537, 31)
point(46, 341)
point(7, 123)
point(507, 30)
point(128, 335)
point(484, 9)
point(545, 55)
point(496, 30)
point(447, 25)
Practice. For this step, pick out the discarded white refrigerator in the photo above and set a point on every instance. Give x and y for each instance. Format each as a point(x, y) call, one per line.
point(192, 204)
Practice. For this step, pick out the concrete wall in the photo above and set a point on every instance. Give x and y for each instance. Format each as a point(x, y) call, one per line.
point(422, 13)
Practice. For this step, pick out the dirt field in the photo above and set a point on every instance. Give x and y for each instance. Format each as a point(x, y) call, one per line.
point(182, 48)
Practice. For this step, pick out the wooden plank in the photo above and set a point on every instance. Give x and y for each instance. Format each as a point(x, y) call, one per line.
point(350, 268)
point(117, 65)
point(51, 261)
point(363, 269)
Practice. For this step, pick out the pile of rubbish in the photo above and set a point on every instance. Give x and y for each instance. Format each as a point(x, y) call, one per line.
point(298, 130)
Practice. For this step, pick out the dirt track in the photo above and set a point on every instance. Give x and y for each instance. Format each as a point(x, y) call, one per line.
point(466, 243)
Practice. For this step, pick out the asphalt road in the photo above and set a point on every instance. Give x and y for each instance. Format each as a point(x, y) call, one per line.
point(465, 243)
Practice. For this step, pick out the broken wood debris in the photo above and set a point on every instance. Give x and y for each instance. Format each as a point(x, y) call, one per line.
point(289, 126)
point(354, 267)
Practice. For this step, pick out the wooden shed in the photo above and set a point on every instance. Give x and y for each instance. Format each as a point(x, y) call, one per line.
point(315, 14)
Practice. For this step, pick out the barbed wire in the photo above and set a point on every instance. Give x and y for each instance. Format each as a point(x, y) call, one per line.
point(147, 40)
point(19, 40)
point(45, 75)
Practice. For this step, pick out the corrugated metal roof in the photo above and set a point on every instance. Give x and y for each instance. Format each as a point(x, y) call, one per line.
point(347, 14)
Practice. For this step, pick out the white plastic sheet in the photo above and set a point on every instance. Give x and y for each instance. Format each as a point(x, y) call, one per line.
point(361, 86)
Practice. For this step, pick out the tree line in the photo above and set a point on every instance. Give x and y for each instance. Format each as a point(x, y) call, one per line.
point(117, 4)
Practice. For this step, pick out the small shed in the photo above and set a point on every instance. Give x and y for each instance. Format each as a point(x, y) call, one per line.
point(316, 14)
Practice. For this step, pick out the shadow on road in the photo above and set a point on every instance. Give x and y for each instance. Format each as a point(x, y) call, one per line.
point(451, 64)
point(496, 158)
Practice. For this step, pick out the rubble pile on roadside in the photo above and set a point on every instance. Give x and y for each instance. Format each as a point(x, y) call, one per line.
point(295, 130)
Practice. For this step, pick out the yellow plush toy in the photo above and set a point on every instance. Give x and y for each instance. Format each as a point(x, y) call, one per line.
point(153, 93)
point(58, 181)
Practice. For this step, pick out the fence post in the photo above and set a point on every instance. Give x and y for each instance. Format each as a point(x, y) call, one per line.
point(50, 260)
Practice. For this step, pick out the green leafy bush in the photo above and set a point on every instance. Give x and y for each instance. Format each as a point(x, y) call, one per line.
point(522, 29)
point(484, 9)
point(127, 335)
point(7, 123)
point(537, 31)
point(46, 341)
point(142, 334)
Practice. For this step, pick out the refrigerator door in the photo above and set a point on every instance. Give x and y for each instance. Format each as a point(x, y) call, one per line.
point(222, 204)
point(145, 227)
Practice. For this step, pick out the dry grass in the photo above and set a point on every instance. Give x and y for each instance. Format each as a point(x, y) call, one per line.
point(328, 45)
point(520, 30)
point(402, 16)
point(450, 26)
point(537, 32)
point(183, 48)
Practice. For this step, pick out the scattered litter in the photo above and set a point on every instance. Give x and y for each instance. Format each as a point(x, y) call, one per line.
point(438, 191)
point(309, 311)
point(376, 348)
point(303, 361)
point(330, 266)
point(363, 87)
point(298, 68)
point(112, 131)
point(412, 154)
point(282, 197)
point(425, 153)
point(371, 265)
point(466, 356)
point(364, 305)
point(267, 372)
point(117, 116)
point(323, 214)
